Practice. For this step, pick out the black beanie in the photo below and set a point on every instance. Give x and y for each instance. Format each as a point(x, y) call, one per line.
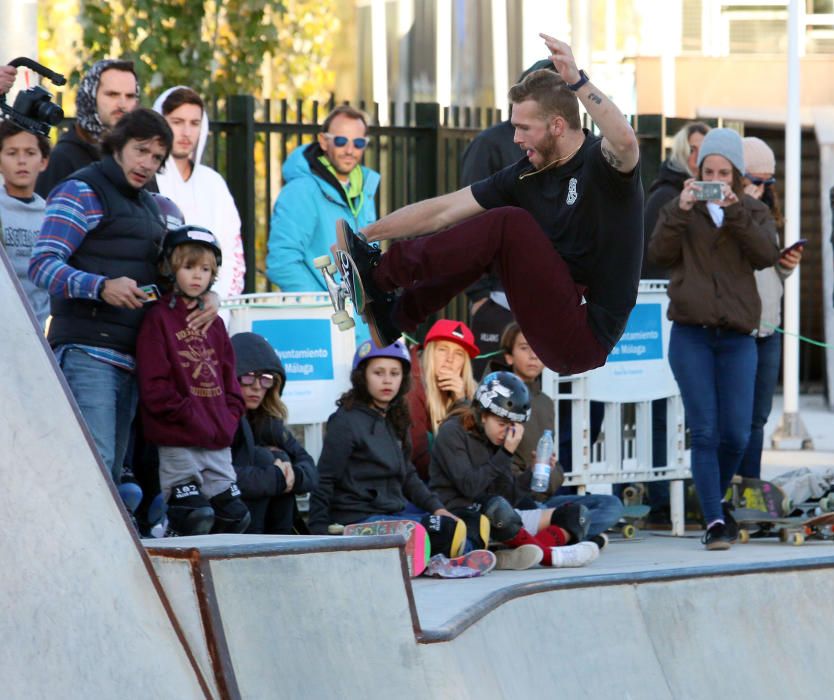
point(253, 353)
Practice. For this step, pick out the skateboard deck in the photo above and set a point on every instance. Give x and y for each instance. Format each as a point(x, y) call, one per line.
point(756, 494)
point(753, 523)
point(417, 548)
point(476, 563)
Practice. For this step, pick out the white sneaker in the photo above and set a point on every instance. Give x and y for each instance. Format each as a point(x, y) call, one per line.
point(573, 555)
point(524, 557)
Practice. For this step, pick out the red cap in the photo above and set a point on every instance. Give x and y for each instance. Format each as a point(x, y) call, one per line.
point(454, 331)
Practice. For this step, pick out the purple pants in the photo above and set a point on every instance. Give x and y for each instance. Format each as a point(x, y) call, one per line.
point(545, 300)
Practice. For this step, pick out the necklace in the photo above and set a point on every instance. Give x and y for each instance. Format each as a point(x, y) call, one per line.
point(553, 163)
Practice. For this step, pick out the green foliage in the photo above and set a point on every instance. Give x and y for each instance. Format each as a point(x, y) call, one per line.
point(213, 46)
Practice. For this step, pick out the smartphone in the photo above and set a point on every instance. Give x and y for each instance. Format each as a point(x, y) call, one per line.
point(793, 246)
point(152, 291)
point(709, 191)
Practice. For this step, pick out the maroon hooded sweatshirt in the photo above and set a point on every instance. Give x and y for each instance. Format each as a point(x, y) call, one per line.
point(188, 392)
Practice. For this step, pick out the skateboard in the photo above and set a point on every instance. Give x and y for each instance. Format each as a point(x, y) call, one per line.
point(631, 520)
point(476, 563)
point(754, 523)
point(417, 548)
point(755, 494)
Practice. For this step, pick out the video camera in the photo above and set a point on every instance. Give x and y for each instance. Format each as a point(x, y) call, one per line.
point(33, 109)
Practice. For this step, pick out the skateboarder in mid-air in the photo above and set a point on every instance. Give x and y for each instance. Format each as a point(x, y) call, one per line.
point(562, 227)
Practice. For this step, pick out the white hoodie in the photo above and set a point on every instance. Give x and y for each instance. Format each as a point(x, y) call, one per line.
point(205, 200)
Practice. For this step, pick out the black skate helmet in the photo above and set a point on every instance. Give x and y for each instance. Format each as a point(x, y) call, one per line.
point(190, 234)
point(505, 395)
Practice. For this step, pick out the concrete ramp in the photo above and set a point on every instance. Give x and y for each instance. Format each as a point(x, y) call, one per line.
point(337, 617)
point(83, 614)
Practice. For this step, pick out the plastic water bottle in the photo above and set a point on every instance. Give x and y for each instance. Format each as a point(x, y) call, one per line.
point(541, 470)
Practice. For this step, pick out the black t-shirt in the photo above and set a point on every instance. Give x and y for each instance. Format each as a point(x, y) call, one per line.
point(593, 215)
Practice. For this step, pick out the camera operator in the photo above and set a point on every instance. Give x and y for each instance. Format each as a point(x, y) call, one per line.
point(108, 91)
point(7, 76)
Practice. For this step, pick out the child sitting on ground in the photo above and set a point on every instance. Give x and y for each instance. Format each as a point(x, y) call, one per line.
point(190, 397)
point(365, 473)
point(272, 467)
point(471, 471)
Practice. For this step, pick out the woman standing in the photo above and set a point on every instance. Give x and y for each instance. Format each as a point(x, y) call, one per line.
point(760, 183)
point(712, 248)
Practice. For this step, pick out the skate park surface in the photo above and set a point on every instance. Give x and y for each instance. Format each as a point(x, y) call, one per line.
point(92, 612)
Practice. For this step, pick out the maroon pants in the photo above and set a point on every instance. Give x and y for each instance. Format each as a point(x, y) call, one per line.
point(545, 300)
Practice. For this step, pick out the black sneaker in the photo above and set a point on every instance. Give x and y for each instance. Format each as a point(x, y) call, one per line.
point(376, 306)
point(716, 537)
point(572, 517)
point(189, 512)
point(729, 521)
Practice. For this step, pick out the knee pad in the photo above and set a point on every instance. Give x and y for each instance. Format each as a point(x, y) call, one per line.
point(477, 527)
point(446, 535)
point(574, 518)
point(230, 512)
point(189, 512)
point(504, 521)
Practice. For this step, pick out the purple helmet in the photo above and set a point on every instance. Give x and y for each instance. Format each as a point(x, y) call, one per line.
point(172, 217)
point(368, 350)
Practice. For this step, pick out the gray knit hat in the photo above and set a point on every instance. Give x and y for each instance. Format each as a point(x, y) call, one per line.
point(723, 142)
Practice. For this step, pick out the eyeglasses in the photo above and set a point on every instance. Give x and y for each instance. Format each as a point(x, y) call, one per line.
point(342, 141)
point(265, 380)
point(757, 181)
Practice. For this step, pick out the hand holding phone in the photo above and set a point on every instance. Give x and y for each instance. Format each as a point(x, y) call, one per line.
point(793, 246)
point(708, 191)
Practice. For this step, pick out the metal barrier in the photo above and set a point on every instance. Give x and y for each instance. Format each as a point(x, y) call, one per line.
point(637, 372)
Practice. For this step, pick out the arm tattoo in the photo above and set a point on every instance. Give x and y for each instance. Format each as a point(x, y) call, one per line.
point(593, 97)
point(612, 159)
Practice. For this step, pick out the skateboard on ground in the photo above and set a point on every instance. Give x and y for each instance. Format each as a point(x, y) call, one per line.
point(631, 520)
point(755, 494)
point(754, 523)
point(417, 548)
point(476, 563)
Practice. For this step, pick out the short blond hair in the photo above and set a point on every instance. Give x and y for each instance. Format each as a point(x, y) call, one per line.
point(193, 254)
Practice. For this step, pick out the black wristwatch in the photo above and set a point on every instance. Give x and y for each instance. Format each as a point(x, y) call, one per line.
point(583, 78)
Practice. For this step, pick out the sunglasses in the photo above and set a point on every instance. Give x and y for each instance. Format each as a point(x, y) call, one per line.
point(342, 141)
point(757, 181)
point(266, 380)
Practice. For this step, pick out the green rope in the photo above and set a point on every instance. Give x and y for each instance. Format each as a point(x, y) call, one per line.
point(413, 341)
point(810, 341)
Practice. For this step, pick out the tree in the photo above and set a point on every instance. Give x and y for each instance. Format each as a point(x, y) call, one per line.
point(216, 47)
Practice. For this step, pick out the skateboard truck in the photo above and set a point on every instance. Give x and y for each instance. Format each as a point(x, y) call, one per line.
point(338, 292)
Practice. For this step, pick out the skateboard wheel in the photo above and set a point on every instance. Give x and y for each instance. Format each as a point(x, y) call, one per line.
point(340, 317)
point(346, 325)
point(322, 262)
point(783, 535)
point(797, 538)
point(628, 531)
point(744, 536)
point(331, 268)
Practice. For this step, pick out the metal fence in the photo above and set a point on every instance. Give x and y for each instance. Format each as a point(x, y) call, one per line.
point(417, 155)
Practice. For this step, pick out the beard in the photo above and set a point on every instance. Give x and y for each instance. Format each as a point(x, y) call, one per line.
point(547, 149)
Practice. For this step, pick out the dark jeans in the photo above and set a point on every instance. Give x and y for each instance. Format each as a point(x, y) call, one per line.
point(715, 370)
point(545, 300)
point(769, 353)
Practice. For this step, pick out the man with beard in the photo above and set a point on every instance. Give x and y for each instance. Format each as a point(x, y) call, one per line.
point(323, 182)
point(199, 191)
point(108, 91)
point(563, 230)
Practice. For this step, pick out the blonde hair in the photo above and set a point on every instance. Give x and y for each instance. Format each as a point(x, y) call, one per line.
point(192, 254)
point(440, 402)
point(679, 152)
point(271, 405)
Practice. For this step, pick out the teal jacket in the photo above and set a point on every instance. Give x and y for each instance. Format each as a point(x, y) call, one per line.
point(303, 224)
